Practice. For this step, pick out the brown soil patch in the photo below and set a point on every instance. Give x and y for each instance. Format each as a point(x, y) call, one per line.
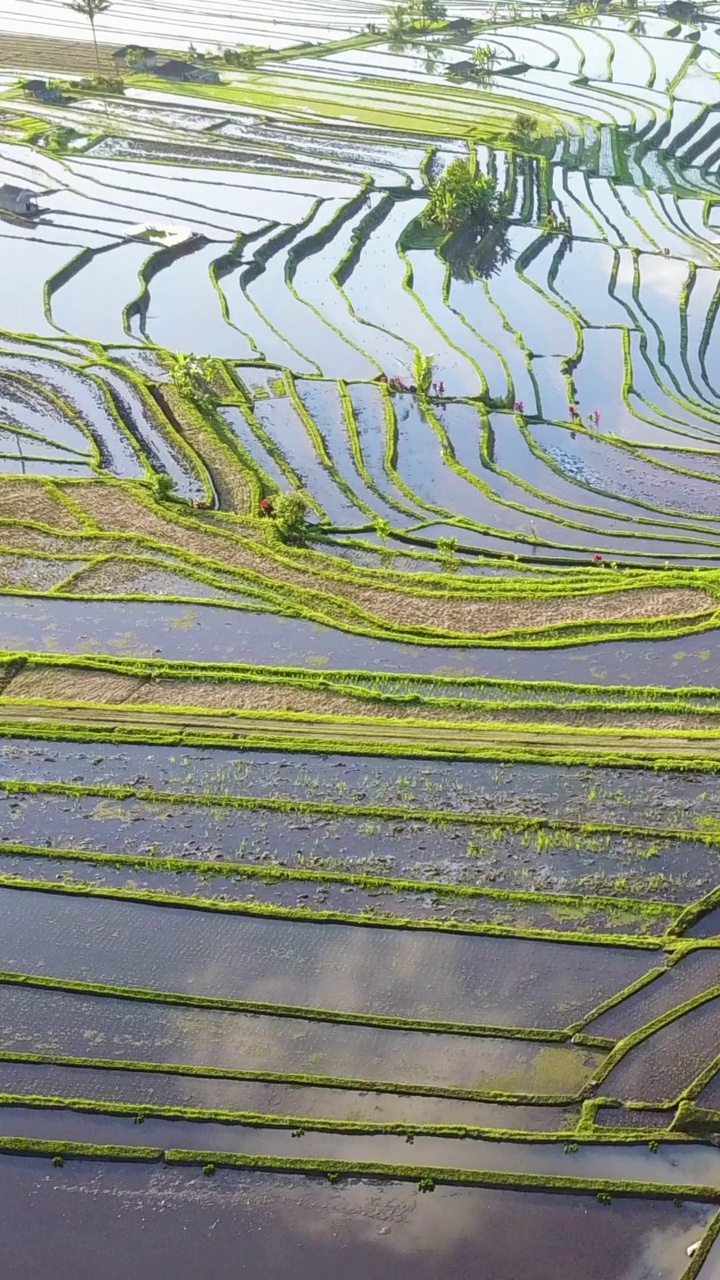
point(29, 500)
point(472, 615)
point(71, 684)
point(66, 57)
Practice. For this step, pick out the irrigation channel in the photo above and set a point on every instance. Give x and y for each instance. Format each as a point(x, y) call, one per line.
point(359, 640)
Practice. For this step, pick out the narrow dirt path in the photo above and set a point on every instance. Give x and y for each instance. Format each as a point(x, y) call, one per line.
point(424, 738)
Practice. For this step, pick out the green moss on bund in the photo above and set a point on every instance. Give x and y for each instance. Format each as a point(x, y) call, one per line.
point(270, 874)
point(502, 1097)
point(151, 996)
point(345, 741)
point(363, 919)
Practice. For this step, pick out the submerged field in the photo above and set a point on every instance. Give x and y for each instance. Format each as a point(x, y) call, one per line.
point(360, 880)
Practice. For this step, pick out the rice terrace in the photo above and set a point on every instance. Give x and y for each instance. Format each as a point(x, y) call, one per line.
point(360, 640)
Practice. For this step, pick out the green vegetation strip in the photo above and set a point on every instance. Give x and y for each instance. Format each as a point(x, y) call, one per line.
point(587, 747)
point(274, 911)
point(195, 1072)
point(455, 1177)
point(581, 904)
point(140, 1111)
point(694, 1270)
point(226, 1004)
point(60, 1150)
point(362, 726)
point(694, 1119)
point(427, 1176)
point(708, 834)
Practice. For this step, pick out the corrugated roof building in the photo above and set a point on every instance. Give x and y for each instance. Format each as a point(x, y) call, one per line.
point(18, 200)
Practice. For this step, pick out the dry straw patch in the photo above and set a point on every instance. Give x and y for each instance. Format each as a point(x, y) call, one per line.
point(132, 577)
point(489, 616)
point(18, 538)
point(252, 696)
point(56, 684)
point(30, 500)
point(116, 509)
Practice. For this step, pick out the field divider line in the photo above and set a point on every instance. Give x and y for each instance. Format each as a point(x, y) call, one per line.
point(226, 1004)
point(194, 1071)
point(314, 915)
point(273, 873)
point(140, 1111)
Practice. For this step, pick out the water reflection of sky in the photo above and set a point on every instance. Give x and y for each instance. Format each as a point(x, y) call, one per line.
point(60, 1023)
point(422, 974)
point(293, 1227)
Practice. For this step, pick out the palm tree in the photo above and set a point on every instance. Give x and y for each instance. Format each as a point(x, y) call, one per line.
point(90, 9)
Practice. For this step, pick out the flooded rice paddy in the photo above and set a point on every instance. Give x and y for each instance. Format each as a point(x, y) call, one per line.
point(291, 1223)
point(416, 925)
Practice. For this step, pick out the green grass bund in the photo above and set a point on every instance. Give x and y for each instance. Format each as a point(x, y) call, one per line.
point(47, 982)
point(274, 911)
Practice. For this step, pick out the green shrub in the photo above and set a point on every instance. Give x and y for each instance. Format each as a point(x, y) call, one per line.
point(422, 372)
point(463, 198)
point(193, 379)
point(290, 511)
point(164, 489)
point(484, 59)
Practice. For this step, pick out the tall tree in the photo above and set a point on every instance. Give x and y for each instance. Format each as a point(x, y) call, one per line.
point(91, 9)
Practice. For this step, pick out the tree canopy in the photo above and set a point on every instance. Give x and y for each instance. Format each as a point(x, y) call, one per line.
point(463, 198)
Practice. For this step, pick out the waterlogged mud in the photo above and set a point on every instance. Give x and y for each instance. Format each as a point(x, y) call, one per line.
point(478, 851)
point(574, 792)
point(323, 893)
point(661, 1067)
point(627, 1118)
point(689, 979)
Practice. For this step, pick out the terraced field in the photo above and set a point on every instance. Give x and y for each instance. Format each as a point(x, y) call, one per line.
point(364, 845)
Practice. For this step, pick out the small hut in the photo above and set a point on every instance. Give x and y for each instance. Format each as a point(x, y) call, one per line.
point(18, 200)
point(41, 91)
point(186, 72)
